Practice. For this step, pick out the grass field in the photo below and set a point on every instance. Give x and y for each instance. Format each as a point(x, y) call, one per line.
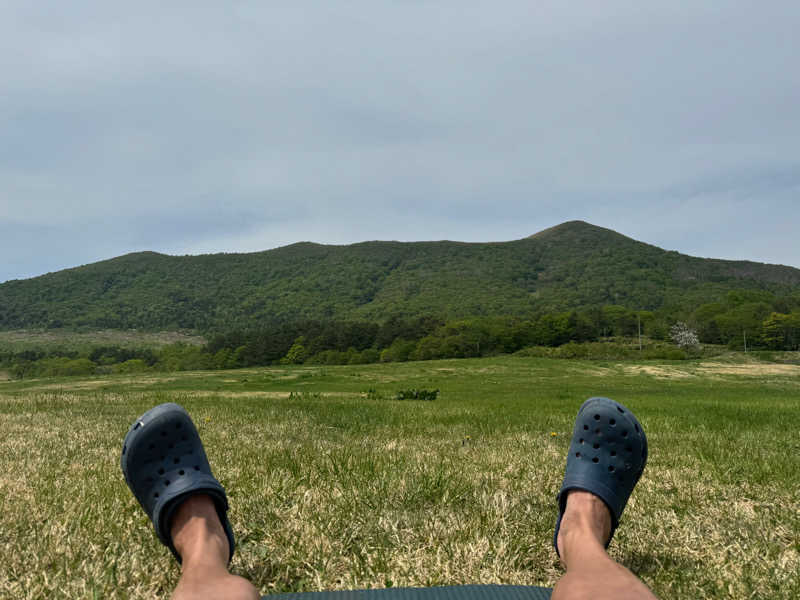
point(23, 339)
point(333, 486)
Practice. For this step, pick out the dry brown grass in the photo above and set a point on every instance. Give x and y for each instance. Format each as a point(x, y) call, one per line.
point(336, 491)
point(49, 337)
point(750, 369)
point(661, 372)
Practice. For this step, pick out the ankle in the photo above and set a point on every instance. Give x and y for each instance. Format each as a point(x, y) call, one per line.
point(585, 525)
point(197, 533)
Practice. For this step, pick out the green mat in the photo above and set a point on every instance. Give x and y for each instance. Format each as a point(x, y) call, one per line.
point(451, 592)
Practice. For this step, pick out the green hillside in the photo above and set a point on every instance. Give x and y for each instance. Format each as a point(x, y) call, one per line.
point(569, 266)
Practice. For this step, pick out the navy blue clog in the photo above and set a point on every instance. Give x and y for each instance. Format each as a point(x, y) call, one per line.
point(606, 457)
point(164, 462)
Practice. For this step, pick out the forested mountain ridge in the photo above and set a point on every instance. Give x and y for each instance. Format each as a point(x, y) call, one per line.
point(572, 265)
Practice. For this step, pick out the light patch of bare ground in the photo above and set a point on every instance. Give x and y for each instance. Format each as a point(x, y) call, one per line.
point(381, 377)
point(266, 394)
point(472, 370)
point(133, 381)
point(596, 371)
point(490, 370)
point(750, 369)
point(88, 384)
point(659, 372)
point(247, 394)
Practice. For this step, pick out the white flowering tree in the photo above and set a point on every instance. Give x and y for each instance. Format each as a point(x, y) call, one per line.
point(684, 336)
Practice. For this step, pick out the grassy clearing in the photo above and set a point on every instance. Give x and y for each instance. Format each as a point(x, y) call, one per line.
point(331, 489)
point(25, 339)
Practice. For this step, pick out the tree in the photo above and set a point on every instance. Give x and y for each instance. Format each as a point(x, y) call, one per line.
point(782, 332)
point(684, 336)
point(399, 351)
point(296, 354)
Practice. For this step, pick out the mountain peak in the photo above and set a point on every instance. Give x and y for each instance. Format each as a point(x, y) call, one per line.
point(571, 229)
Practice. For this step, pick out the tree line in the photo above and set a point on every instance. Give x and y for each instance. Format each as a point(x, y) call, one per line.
point(756, 320)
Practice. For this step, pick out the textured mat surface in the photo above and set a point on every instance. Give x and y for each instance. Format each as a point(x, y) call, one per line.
point(455, 592)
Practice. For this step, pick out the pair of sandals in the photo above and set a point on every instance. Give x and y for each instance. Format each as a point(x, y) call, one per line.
point(164, 462)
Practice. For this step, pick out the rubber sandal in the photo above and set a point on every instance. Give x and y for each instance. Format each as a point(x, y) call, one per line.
point(164, 462)
point(606, 457)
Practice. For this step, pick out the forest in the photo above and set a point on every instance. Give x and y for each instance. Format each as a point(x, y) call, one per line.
point(743, 320)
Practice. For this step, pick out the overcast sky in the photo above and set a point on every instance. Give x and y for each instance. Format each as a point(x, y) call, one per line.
point(196, 127)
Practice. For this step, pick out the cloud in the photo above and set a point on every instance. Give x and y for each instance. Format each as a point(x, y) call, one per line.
point(214, 127)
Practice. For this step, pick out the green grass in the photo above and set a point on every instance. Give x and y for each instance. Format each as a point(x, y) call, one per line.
point(332, 489)
point(45, 339)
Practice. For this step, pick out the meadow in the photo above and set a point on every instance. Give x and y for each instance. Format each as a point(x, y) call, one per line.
point(35, 339)
point(334, 484)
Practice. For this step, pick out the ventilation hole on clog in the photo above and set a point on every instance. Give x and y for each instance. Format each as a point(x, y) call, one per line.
point(177, 425)
point(161, 471)
point(577, 455)
point(138, 424)
point(611, 469)
point(197, 467)
point(636, 427)
point(581, 440)
point(624, 433)
point(595, 460)
point(596, 446)
point(586, 428)
point(628, 449)
point(155, 495)
point(163, 434)
point(612, 422)
point(613, 453)
point(166, 482)
point(124, 448)
point(177, 460)
point(598, 432)
point(597, 417)
point(183, 438)
point(181, 472)
point(620, 410)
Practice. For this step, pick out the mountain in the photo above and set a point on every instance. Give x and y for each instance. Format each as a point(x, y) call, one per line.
point(572, 265)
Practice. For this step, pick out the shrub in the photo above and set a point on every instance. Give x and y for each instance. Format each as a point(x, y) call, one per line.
point(414, 394)
point(134, 365)
point(62, 366)
point(665, 354)
point(399, 351)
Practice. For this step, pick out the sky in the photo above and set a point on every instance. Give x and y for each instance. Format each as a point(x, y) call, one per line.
point(200, 127)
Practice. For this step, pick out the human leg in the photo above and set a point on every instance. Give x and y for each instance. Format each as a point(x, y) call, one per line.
point(202, 544)
point(591, 573)
point(606, 458)
point(166, 468)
